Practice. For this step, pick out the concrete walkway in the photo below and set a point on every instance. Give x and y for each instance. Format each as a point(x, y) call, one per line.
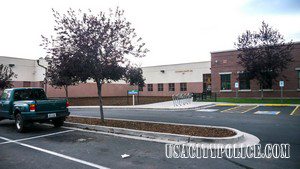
point(161, 105)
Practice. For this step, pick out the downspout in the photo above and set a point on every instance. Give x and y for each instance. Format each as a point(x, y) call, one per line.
point(45, 80)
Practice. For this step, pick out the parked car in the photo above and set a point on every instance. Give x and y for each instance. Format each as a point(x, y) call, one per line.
point(29, 105)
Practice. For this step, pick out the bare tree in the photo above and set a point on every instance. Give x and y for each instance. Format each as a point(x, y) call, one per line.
point(6, 75)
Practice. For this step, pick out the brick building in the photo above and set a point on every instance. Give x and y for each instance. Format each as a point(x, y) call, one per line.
point(218, 75)
point(225, 72)
point(161, 81)
point(167, 80)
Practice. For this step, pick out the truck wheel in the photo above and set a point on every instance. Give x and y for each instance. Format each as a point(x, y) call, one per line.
point(58, 122)
point(19, 123)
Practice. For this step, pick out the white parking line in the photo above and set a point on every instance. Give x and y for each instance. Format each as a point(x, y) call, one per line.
point(56, 154)
point(267, 112)
point(30, 138)
point(207, 110)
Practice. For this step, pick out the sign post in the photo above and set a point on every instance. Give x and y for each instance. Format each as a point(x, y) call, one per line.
point(133, 92)
point(281, 84)
point(236, 85)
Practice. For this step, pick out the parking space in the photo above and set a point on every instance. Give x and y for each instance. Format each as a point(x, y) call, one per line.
point(240, 109)
point(216, 108)
point(18, 151)
point(79, 149)
point(272, 110)
point(17, 156)
point(10, 132)
point(254, 109)
point(296, 111)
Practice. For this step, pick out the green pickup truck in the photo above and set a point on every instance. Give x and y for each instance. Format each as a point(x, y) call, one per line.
point(28, 105)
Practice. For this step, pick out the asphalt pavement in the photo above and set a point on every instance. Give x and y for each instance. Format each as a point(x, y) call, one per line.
point(75, 149)
point(43, 146)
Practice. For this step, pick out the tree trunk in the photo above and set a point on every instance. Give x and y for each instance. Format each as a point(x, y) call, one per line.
point(99, 87)
point(261, 91)
point(67, 93)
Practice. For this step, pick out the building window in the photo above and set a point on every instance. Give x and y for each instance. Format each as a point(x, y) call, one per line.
point(268, 85)
point(171, 86)
point(225, 82)
point(150, 87)
point(183, 87)
point(298, 79)
point(244, 82)
point(160, 87)
point(26, 84)
point(141, 88)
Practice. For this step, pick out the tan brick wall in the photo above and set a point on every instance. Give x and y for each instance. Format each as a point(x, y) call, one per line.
point(192, 87)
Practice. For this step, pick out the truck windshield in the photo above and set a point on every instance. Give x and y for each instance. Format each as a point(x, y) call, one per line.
point(30, 94)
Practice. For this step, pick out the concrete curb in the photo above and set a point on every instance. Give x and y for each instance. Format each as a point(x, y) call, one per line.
point(241, 137)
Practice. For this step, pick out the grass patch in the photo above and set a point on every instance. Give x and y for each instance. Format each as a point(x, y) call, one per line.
point(261, 101)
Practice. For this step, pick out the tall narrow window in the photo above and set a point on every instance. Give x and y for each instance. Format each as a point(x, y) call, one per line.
point(268, 85)
point(298, 79)
point(141, 88)
point(150, 87)
point(183, 87)
point(225, 82)
point(244, 82)
point(160, 87)
point(171, 86)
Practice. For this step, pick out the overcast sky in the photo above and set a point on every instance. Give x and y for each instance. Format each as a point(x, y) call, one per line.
point(175, 31)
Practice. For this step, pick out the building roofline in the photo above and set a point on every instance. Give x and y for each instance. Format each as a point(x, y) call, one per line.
point(18, 58)
point(174, 64)
point(221, 51)
point(234, 50)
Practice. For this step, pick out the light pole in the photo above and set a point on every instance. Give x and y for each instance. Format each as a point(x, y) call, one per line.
point(45, 79)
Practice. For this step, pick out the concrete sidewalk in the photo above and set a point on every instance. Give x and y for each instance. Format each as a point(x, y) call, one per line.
point(169, 105)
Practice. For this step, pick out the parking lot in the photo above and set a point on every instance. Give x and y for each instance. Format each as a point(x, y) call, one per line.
point(43, 146)
point(47, 147)
point(254, 109)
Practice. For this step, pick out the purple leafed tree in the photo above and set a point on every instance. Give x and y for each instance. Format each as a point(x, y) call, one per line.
point(263, 55)
point(95, 46)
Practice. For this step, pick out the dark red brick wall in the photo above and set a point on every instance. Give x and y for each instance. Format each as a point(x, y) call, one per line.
point(116, 101)
point(227, 62)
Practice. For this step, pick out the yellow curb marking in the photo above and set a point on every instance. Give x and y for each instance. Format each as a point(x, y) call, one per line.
point(226, 104)
point(277, 105)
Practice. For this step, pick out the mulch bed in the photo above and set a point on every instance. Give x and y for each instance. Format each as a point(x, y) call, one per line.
point(156, 127)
